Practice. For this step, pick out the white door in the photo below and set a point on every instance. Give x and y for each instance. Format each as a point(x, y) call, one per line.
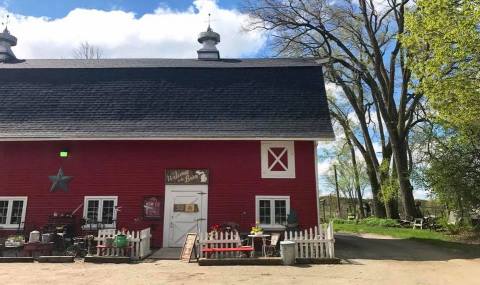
point(185, 212)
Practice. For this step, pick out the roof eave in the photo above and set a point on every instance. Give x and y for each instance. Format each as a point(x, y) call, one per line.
point(14, 139)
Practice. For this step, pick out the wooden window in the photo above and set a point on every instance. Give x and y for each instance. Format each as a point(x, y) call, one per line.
point(12, 212)
point(271, 211)
point(278, 159)
point(100, 211)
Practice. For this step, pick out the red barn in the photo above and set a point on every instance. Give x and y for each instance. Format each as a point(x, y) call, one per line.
point(174, 144)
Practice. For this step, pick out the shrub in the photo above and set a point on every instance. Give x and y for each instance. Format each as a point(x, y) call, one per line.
point(455, 229)
point(369, 222)
point(379, 222)
point(343, 221)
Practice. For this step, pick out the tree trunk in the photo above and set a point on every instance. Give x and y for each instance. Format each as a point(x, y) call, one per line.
point(391, 208)
point(357, 179)
point(377, 205)
point(406, 189)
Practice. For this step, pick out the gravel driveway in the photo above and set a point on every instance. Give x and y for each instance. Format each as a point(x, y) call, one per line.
point(368, 260)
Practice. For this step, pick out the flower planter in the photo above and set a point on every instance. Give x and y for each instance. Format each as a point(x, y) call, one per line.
point(120, 241)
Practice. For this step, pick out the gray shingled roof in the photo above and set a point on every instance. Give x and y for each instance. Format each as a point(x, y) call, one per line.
point(163, 98)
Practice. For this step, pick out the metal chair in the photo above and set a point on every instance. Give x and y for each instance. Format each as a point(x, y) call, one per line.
point(271, 248)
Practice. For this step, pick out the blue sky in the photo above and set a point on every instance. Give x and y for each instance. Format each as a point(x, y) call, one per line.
point(128, 28)
point(60, 8)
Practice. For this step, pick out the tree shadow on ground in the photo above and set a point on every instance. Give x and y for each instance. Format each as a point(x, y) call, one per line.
point(349, 246)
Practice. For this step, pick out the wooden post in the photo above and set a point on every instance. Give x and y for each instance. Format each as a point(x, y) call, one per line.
point(338, 193)
point(324, 214)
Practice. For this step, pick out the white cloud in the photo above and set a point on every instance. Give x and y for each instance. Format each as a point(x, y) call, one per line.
point(324, 166)
point(162, 33)
point(333, 89)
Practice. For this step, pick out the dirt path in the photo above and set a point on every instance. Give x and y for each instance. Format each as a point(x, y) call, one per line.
point(381, 261)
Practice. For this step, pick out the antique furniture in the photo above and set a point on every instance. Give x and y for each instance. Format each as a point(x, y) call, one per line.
point(264, 242)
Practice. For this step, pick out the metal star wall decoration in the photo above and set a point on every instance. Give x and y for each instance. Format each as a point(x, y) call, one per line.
point(59, 181)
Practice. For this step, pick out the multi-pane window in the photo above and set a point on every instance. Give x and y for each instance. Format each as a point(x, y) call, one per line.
point(17, 211)
point(3, 212)
point(100, 211)
point(108, 210)
point(278, 159)
point(272, 211)
point(265, 213)
point(12, 212)
point(92, 211)
point(280, 212)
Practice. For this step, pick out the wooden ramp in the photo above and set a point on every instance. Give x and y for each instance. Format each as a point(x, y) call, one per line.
point(166, 253)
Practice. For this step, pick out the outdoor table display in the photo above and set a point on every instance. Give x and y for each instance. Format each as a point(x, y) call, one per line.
point(42, 248)
point(14, 243)
point(264, 242)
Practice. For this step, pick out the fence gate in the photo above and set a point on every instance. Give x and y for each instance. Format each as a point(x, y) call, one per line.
point(139, 241)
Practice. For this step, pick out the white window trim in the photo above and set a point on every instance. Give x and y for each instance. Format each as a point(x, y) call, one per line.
point(290, 147)
point(10, 200)
point(100, 210)
point(272, 225)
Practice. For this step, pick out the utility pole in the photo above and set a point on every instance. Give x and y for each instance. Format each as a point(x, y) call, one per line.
point(338, 193)
point(330, 203)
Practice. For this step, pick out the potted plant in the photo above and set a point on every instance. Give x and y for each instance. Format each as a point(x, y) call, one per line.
point(257, 230)
point(121, 239)
point(214, 230)
point(292, 220)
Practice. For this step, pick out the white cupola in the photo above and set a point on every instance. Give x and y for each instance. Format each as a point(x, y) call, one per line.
point(7, 41)
point(209, 39)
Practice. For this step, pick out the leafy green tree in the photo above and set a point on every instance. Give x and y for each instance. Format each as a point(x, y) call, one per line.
point(443, 40)
point(453, 172)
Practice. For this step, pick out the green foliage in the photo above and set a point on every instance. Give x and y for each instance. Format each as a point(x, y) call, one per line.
point(380, 222)
point(345, 171)
point(443, 42)
point(454, 229)
point(390, 186)
point(343, 221)
point(453, 172)
point(292, 217)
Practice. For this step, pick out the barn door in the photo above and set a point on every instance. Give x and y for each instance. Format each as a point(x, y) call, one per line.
point(185, 212)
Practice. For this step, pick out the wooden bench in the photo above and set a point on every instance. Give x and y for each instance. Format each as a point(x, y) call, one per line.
point(228, 249)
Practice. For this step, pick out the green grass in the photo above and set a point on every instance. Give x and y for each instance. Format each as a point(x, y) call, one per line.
point(393, 232)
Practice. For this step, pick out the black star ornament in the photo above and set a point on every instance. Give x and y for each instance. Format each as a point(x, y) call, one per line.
point(59, 181)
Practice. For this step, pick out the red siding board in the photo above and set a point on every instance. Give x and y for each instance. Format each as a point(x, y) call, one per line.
point(134, 169)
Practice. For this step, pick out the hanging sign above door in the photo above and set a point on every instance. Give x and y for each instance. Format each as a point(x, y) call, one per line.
point(186, 176)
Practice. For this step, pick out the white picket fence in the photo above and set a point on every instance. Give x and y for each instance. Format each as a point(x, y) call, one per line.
point(139, 241)
point(218, 240)
point(313, 243)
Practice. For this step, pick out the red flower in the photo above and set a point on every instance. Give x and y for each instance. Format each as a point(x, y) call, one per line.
point(215, 228)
